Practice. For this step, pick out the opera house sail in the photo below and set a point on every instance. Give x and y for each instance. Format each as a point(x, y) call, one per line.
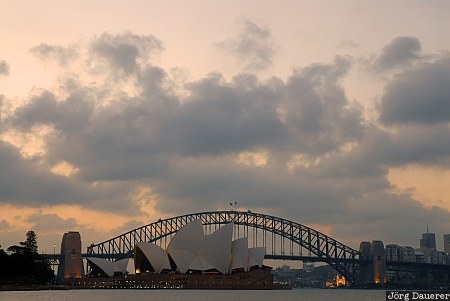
point(191, 260)
point(191, 250)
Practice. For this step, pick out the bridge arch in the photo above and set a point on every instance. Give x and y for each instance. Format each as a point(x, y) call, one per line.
point(283, 239)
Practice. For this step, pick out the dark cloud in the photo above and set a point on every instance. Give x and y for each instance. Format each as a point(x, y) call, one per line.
point(51, 222)
point(375, 212)
point(4, 68)
point(135, 138)
point(185, 149)
point(62, 55)
point(220, 117)
point(196, 184)
point(133, 224)
point(423, 145)
point(420, 95)
point(69, 115)
point(399, 52)
point(320, 162)
point(253, 46)
point(25, 182)
point(124, 53)
point(317, 111)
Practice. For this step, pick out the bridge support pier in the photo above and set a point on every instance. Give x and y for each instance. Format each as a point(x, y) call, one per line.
point(70, 262)
point(373, 263)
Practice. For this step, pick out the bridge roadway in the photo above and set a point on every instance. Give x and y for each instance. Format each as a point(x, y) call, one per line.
point(282, 238)
point(390, 265)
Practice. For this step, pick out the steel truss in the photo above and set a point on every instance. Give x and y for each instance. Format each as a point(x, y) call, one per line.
point(283, 239)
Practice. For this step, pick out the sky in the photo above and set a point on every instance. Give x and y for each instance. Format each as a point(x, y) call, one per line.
point(332, 114)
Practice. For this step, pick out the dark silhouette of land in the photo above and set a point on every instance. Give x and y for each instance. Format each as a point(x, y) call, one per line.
point(22, 267)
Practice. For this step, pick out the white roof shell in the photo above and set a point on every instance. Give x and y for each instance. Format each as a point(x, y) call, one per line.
point(125, 265)
point(216, 249)
point(192, 250)
point(185, 245)
point(239, 254)
point(156, 255)
point(256, 256)
point(105, 265)
point(189, 238)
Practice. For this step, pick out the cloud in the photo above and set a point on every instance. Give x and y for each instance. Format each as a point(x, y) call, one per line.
point(128, 226)
point(420, 95)
point(4, 68)
point(317, 111)
point(348, 44)
point(186, 148)
point(399, 52)
point(68, 116)
point(253, 46)
point(62, 55)
point(220, 117)
point(2, 100)
point(4, 224)
point(375, 212)
point(136, 138)
point(123, 53)
point(51, 222)
point(309, 153)
point(25, 182)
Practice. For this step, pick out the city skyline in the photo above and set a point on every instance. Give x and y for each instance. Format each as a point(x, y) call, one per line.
point(333, 115)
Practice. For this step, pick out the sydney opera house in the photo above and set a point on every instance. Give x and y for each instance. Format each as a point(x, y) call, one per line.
point(191, 260)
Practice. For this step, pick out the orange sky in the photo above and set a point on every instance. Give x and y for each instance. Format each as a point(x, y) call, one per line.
point(113, 115)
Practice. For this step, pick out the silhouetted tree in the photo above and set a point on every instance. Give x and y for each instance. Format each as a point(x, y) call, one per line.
point(15, 249)
point(25, 266)
point(30, 243)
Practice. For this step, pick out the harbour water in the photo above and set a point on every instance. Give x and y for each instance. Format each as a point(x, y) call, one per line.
point(196, 295)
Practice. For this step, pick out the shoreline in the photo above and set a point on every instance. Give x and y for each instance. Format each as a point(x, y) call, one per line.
point(39, 287)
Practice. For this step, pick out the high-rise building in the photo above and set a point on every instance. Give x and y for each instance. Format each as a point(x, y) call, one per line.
point(428, 240)
point(393, 252)
point(407, 254)
point(447, 243)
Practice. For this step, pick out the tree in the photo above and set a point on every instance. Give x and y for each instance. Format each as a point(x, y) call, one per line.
point(24, 265)
point(30, 244)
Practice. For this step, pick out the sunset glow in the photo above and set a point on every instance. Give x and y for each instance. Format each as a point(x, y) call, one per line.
point(333, 114)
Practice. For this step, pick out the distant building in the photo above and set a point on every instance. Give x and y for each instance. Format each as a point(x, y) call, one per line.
point(399, 253)
point(393, 252)
point(308, 266)
point(447, 243)
point(420, 256)
point(431, 256)
point(407, 254)
point(442, 258)
point(428, 240)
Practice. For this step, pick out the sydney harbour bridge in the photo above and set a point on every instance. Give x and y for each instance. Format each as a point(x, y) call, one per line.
point(282, 239)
